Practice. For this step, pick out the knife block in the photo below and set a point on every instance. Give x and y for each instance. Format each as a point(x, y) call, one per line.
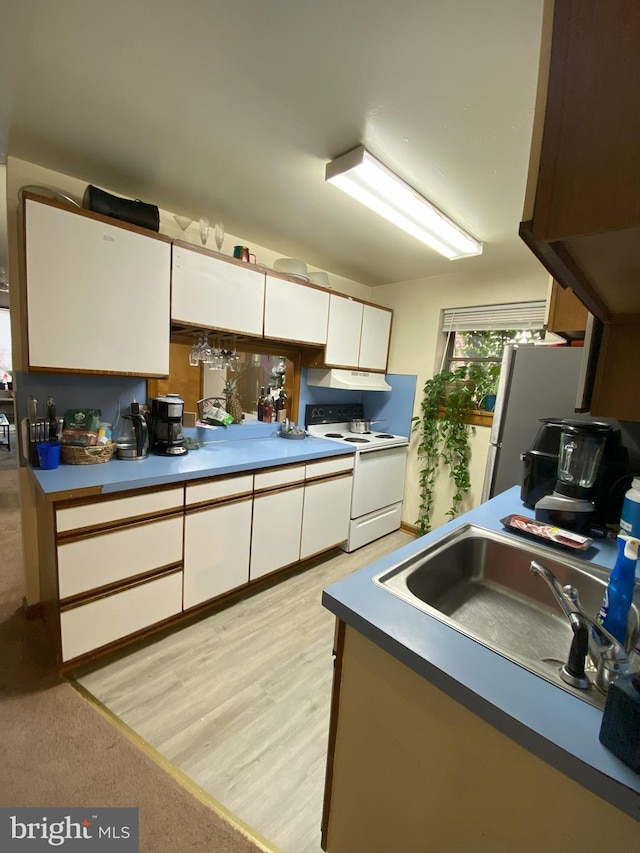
point(620, 729)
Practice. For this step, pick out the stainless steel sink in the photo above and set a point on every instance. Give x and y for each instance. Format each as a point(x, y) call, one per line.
point(478, 582)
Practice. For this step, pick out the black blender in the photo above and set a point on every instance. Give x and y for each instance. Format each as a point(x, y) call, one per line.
point(570, 505)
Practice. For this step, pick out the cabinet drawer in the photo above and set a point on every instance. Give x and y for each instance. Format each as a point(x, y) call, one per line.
point(119, 509)
point(213, 490)
point(108, 619)
point(274, 477)
point(120, 554)
point(326, 467)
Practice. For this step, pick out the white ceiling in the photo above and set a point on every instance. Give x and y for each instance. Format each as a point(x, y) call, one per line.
point(231, 110)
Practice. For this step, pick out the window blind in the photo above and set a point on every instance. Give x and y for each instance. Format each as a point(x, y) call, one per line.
point(514, 315)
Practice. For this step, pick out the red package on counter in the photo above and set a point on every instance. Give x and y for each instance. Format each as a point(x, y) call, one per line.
point(546, 532)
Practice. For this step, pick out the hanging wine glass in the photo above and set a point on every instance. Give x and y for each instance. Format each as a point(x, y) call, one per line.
point(184, 222)
point(194, 353)
point(234, 358)
point(218, 231)
point(204, 230)
point(207, 351)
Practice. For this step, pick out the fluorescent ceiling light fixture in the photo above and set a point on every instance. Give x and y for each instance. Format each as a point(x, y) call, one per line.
point(370, 182)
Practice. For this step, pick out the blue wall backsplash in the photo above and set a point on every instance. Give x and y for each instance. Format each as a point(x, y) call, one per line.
point(75, 390)
point(395, 406)
point(79, 391)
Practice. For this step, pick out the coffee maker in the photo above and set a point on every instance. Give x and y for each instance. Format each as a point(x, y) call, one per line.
point(167, 438)
point(132, 441)
point(575, 474)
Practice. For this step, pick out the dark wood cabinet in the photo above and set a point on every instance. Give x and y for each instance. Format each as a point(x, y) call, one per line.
point(582, 214)
point(567, 315)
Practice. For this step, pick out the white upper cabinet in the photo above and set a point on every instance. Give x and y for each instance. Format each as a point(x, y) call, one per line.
point(295, 312)
point(374, 339)
point(97, 294)
point(220, 294)
point(358, 334)
point(343, 334)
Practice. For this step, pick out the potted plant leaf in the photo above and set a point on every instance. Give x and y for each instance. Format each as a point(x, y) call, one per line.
point(444, 437)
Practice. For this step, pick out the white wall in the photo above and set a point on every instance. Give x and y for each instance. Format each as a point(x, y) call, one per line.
point(417, 307)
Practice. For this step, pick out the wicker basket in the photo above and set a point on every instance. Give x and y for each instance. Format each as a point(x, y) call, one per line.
point(73, 455)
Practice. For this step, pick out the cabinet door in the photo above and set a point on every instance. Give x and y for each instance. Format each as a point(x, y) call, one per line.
point(275, 537)
point(97, 295)
point(112, 617)
point(216, 550)
point(567, 315)
point(325, 519)
point(295, 312)
point(343, 333)
point(374, 339)
point(207, 291)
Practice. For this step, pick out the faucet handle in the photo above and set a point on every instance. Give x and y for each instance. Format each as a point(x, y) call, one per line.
point(608, 645)
point(609, 656)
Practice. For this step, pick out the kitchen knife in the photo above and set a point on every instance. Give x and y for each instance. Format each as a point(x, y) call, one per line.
point(51, 417)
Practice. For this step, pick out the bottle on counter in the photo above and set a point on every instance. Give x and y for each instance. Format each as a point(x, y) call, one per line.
point(630, 518)
point(616, 603)
point(267, 410)
point(261, 405)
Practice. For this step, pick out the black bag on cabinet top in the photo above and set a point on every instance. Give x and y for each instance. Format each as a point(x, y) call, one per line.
point(126, 210)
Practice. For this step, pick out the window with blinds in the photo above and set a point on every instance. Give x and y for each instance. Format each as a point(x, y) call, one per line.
point(480, 333)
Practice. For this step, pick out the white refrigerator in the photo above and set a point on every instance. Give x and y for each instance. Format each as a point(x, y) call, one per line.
point(535, 382)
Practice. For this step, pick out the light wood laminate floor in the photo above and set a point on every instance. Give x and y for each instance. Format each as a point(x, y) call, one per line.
point(239, 701)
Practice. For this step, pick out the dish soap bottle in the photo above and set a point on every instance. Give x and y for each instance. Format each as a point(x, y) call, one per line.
point(614, 611)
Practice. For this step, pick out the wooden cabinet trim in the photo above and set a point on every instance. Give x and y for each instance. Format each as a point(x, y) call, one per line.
point(339, 475)
point(273, 490)
point(119, 586)
point(80, 533)
point(228, 499)
point(559, 263)
point(338, 656)
point(69, 503)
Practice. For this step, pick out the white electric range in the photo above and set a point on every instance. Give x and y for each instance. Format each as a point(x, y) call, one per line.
point(378, 473)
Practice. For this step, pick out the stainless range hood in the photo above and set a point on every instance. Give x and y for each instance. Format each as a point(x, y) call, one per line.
point(348, 380)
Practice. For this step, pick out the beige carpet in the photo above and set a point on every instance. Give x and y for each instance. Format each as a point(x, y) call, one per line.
point(57, 749)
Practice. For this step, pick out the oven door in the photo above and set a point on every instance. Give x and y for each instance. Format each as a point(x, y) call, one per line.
point(378, 479)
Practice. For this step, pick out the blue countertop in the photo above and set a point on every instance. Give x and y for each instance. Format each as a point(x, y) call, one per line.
point(224, 453)
point(547, 720)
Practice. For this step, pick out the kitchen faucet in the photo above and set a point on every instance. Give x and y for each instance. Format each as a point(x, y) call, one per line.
point(608, 656)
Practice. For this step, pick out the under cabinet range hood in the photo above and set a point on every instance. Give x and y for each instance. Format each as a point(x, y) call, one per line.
point(349, 380)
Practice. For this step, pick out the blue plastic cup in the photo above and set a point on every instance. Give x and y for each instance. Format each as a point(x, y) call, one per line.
point(49, 454)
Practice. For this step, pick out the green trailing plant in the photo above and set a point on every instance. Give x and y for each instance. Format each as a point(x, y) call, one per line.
point(444, 434)
point(484, 376)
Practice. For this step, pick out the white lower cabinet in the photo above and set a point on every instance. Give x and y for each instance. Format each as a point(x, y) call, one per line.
point(112, 617)
point(216, 550)
point(123, 565)
point(327, 504)
point(275, 536)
